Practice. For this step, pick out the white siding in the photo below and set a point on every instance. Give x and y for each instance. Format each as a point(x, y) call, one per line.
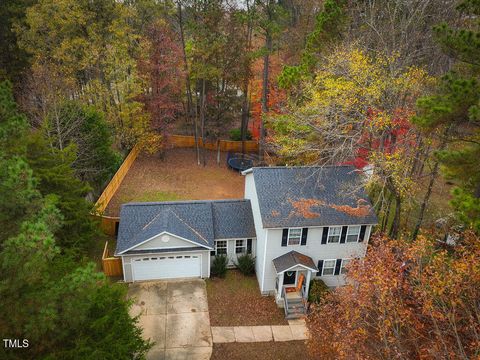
point(315, 250)
point(158, 243)
point(251, 194)
point(127, 270)
point(232, 256)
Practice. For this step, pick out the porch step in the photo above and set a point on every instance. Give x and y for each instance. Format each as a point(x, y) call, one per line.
point(295, 310)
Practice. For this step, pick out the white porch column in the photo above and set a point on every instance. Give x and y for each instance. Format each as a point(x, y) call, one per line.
point(307, 285)
point(280, 286)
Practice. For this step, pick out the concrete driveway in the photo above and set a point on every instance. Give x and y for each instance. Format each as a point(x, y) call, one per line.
point(174, 314)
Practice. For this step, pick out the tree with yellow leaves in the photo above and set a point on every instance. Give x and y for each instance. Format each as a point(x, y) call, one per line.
point(357, 107)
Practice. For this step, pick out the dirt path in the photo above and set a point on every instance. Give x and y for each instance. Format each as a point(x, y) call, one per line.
point(177, 177)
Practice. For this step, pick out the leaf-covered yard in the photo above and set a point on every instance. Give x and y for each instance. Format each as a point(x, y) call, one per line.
point(236, 301)
point(289, 350)
point(177, 176)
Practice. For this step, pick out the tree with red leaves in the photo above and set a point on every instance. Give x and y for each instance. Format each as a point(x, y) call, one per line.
point(163, 71)
point(404, 300)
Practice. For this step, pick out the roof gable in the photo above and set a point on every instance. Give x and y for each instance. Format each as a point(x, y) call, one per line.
point(199, 222)
point(142, 221)
point(312, 196)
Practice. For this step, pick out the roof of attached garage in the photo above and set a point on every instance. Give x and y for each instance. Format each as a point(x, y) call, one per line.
point(163, 250)
point(311, 196)
point(198, 221)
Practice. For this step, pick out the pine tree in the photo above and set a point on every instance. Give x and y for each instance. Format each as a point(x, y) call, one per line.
point(456, 108)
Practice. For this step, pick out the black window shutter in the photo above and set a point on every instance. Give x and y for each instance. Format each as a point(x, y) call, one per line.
point(344, 234)
point(324, 235)
point(304, 236)
point(212, 253)
point(284, 237)
point(320, 267)
point(338, 264)
point(249, 246)
point(363, 229)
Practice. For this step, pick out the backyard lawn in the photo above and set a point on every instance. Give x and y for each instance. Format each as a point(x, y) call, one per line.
point(177, 177)
point(289, 350)
point(236, 301)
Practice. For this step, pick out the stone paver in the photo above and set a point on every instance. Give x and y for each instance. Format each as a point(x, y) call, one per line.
point(282, 333)
point(262, 333)
point(299, 332)
point(243, 334)
point(226, 334)
point(296, 322)
point(223, 334)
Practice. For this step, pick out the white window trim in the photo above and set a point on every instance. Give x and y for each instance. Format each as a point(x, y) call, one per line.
point(300, 239)
point(226, 247)
point(339, 235)
point(334, 265)
point(342, 265)
point(358, 235)
point(244, 246)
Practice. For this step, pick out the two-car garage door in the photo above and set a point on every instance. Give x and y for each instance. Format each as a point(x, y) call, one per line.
point(166, 267)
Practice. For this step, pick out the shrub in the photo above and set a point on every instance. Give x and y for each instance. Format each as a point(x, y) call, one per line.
point(317, 291)
point(219, 266)
point(246, 264)
point(236, 135)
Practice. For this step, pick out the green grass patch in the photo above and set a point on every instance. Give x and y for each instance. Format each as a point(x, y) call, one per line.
point(152, 196)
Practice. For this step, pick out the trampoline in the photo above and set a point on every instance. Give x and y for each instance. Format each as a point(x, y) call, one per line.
point(239, 163)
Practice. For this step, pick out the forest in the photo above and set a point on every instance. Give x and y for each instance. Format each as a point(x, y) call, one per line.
point(389, 86)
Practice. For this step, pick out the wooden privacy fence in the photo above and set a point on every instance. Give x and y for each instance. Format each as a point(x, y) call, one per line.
point(109, 224)
point(222, 145)
point(117, 179)
point(111, 266)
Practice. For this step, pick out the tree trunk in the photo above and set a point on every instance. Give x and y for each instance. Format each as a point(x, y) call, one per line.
point(266, 69)
point(395, 229)
point(202, 122)
point(190, 115)
point(387, 214)
point(433, 177)
point(246, 72)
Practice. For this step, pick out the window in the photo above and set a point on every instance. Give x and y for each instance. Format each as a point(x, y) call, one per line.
point(328, 267)
point(294, 236)
point(220, 248)
point(334, 233)
point(240, 247)
point(343, 269)
point(353, 233)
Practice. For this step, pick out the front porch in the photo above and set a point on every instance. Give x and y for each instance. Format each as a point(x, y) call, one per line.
point(294, 272)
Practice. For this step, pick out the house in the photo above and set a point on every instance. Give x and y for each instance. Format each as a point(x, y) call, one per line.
point(309, 222)
point(298, 222)
point(165, 240)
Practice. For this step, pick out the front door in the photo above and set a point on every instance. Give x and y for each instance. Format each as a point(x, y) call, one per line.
point(289, 277)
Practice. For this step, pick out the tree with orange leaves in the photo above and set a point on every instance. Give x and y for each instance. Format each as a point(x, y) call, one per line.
point(403, 301)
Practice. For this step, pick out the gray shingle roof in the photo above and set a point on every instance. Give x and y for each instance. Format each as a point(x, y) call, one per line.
point(180, 249)
point(291, 259)
point(312, 196)
point(198, 221)
point(233, 219)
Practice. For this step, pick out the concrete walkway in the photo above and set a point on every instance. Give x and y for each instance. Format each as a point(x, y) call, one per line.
point(295, 330)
